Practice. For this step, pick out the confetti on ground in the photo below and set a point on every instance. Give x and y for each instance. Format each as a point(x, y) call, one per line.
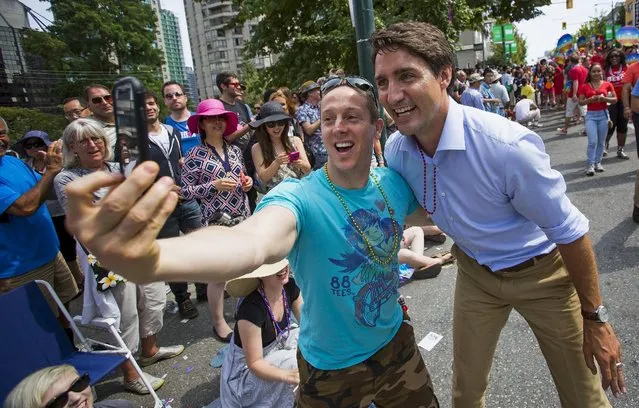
point(164, 376)
point(176, 365)
point(408, 297)
point(185, 357)
point(184, 320)
point(188, 369)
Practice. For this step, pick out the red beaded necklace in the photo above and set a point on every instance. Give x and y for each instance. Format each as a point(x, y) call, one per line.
point(421, 151)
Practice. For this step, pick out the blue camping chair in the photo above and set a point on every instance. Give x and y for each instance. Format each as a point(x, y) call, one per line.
point(33, 339)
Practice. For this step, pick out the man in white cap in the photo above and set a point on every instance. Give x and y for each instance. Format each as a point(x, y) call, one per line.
point(472, 96)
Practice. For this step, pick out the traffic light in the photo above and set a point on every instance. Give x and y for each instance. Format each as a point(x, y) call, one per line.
point(568, 4)
point(563, 25)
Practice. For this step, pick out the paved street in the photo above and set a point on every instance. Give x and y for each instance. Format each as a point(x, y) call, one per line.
point(519, 376)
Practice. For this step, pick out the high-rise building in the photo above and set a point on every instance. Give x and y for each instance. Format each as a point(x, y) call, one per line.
point(13, 18)
point(22, 81)
point(159, 37)
point(191, 85)
point(173, 52)
point(215, 47)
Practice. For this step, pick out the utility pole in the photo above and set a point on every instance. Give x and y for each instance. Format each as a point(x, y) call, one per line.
point(364, 23)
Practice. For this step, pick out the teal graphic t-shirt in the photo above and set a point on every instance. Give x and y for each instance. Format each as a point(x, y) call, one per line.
point(350, 302)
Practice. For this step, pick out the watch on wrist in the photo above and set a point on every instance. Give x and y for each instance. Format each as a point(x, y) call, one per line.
point(599, 315)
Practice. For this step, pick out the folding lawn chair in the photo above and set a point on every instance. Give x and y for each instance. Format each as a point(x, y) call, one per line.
point(33, 339)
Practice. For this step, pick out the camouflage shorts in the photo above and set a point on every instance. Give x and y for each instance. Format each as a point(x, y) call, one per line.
point(395, 376)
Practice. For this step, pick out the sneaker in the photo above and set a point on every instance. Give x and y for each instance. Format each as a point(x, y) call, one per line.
point(599, 168)
point(138, 387)
point(605, 153)
point(163, 353)
point(635, 214)
point(583, 133)
point(621, 154)
point(188, 310)
point(590, 170)
point(537, 125)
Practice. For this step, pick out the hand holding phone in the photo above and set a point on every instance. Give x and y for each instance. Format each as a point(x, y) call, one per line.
point(293, 156)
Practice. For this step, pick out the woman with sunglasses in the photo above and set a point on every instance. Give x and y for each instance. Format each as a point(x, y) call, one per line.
point(615, 68)
point(214, 174)
point(33, 146)
point(277, 155)
point(57, 387)
point(141, 307)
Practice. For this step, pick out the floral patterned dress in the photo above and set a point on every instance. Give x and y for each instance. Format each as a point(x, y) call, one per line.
point(203, 166)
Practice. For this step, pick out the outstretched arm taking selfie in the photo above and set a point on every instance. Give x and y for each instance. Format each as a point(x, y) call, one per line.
point(121, 231)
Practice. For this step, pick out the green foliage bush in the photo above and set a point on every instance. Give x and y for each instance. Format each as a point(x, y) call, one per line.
point(21, 120)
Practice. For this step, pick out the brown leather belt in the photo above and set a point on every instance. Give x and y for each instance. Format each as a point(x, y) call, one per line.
point(526, 264)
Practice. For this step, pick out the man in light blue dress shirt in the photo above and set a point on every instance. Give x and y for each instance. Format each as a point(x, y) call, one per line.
point(519, 241)
point(472, 96)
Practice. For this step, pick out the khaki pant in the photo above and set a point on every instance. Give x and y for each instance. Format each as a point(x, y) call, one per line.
point(141, 310)
point(545, 296)
point(56, 273)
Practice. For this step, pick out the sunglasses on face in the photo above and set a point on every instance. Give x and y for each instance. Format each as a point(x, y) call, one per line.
point(74, 112)
point(33, 145)
point(96, 141)
point(234, 84)
point(100, 99)
point(78, 385)
point(272, 125)
point(172, 94)
point(352, 81)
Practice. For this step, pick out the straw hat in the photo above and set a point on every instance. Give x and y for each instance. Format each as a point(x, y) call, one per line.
point(244, 285)
point(213, 107)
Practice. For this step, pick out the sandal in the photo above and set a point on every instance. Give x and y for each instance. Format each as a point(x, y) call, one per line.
point(446, 257)
point(219, 338)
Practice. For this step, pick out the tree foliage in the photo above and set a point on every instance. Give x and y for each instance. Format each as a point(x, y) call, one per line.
point(597, 25)
point(97, 41)
point(21, 120)
point(518, 57)
point(313, 36)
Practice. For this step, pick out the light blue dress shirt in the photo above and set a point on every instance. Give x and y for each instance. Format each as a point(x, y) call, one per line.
point(472, 97)
point(497, 196)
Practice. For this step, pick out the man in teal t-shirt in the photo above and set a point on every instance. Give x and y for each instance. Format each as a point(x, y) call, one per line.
point(340, 228)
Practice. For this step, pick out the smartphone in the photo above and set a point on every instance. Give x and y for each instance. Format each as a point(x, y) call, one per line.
point(132, 145)
point(293, 156)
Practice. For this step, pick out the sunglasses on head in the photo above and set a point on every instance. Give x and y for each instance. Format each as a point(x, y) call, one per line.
point(33, 145)
point(99, 99)
point(79, 385)
point(170, 95)
point(352, 81)
point(271, 125)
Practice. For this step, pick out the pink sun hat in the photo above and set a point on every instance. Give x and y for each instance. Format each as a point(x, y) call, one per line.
point(213, 107)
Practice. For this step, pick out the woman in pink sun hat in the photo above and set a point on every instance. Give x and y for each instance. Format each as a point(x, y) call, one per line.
point(214, 174)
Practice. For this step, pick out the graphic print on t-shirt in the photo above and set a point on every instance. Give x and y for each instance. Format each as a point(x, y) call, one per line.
point(378, 284)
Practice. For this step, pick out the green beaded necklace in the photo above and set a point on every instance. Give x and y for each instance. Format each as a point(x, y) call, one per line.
point(396, 240)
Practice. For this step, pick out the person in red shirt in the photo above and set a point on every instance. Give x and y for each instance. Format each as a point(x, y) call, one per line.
point(615, 69)
point(577, 76)
point(560, 97)
point(596, 93)
point(629, 80)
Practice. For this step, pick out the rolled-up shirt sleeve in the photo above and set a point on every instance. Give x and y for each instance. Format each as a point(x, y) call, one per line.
point(539, 193)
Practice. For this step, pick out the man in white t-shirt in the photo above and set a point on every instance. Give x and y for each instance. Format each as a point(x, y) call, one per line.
point(527, 112)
